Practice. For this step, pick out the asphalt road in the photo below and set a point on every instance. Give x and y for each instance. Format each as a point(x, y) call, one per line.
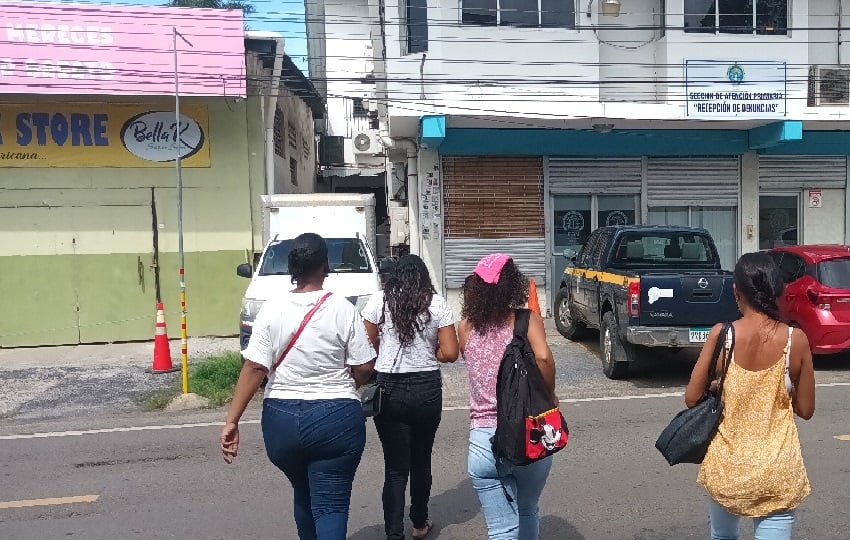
point(145, 481)
point(609, 484)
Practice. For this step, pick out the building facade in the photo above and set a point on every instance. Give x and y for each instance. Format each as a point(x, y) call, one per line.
point(535, 122)
point(88, 196)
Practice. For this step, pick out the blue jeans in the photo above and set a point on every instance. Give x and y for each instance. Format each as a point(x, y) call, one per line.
point(318, 445)
point(506, 520)
point(724, 524)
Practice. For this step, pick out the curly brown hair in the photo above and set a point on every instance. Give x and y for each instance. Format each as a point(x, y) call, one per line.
point(487, 306)
point(407, 297)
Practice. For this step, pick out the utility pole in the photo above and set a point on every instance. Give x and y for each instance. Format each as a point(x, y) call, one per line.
point(184, 341)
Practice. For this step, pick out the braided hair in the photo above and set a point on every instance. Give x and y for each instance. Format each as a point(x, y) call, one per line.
point(308, 255)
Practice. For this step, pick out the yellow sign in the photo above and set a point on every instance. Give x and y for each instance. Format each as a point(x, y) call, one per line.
point(102, 135)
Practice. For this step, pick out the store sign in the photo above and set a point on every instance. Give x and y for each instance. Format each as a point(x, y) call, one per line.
point(120, 50)
point(102, 135)
point(815, 198)
point(717, 89)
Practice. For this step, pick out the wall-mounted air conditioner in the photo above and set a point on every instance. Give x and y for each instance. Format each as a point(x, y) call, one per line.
point(366, 143)
point(829, 86)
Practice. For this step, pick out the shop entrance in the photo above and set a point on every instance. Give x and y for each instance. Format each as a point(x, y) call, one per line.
point(779, 220)
point(576, 216)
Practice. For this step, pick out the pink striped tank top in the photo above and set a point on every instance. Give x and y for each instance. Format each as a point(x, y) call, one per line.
point(483, 355)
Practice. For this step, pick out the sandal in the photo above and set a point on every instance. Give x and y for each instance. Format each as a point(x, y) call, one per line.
point(428, 526)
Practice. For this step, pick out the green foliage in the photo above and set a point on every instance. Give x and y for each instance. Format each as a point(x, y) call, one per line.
point(216, 377)
point(245, 5)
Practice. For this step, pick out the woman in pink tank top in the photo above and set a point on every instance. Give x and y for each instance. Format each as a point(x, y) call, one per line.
point(509, 494)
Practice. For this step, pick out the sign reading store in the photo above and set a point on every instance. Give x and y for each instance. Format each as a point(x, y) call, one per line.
point(102, 135)
point(717, 89)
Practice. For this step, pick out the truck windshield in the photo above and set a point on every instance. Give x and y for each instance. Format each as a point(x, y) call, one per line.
point(673, 248)
point(346, 256)
point(835, 273)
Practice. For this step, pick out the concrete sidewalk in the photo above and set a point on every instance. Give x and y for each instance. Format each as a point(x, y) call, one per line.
point(85, 380)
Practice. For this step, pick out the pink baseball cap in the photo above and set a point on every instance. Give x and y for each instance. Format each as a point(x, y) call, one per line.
point(489, 268)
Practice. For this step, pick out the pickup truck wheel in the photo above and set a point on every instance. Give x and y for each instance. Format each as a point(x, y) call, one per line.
point(567, 326)
point(615, 357)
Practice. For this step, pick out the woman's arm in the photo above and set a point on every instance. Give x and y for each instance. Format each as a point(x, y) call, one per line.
point(699, 376)
point(374, 334)
point(542, 352)
point(362, 373)
point(463, 329)
point(250, 379)
point(447, 344)
point(803, 393)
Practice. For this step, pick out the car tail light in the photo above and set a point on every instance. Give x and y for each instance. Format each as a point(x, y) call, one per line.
point(821, 302)
point(633, 300)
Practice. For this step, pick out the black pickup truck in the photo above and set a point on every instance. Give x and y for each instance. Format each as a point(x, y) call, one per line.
point(644, 286)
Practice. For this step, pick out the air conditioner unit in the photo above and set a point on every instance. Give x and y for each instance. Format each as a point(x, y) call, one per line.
point(829, 86)
point(366, 143)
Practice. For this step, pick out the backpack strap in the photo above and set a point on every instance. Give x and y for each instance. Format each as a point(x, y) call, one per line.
point(521, 320)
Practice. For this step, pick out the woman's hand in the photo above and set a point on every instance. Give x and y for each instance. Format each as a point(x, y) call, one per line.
point(230, 441)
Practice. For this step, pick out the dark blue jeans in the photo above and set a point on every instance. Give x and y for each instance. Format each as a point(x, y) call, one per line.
point(317, 444)
point(407, 426)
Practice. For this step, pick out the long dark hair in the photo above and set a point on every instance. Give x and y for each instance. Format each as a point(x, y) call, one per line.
point(309, 255)
point(487, 306)
point(758, 280)
point(408, 292)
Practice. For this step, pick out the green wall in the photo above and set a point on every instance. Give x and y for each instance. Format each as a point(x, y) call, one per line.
point(76, 244)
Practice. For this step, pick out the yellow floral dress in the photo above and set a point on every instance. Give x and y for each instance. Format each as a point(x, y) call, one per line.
point(754, 465)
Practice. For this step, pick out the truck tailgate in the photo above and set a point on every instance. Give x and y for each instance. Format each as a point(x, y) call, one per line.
point(697, 300)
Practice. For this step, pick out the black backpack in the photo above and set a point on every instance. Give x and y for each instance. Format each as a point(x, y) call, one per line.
point(529, 425)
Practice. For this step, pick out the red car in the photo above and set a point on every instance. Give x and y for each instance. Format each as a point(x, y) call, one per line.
point(817, 293)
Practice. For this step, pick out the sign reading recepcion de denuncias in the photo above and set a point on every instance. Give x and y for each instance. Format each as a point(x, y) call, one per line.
point(717, 89)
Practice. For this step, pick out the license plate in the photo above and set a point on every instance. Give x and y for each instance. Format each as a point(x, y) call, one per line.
point(698, 335)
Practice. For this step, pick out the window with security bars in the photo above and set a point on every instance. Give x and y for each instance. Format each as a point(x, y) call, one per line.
point(358, 108)
point(279, 145)
point(292, 135)
point(519, 13)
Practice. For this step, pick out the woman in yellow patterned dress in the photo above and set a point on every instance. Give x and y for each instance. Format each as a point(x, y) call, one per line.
point(754, 467)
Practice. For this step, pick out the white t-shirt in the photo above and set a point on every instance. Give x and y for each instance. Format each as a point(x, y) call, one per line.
point(420, 355)
point(317, 365)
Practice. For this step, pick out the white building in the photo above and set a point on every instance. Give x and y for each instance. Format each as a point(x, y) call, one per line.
point(528, 123)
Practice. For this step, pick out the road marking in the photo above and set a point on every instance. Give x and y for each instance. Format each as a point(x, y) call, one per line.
point(53, 434)
point(49, 502)
point(843, 437)
point(50, 434)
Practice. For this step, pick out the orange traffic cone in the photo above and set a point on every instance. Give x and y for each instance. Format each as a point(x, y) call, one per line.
point(161, 347)
point(533, 300)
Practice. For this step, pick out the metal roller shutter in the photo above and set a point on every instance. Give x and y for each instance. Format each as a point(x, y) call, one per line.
point(709, 181)
point(462, 254)
point(802, 172)
point(594, 176)
point(493, 205)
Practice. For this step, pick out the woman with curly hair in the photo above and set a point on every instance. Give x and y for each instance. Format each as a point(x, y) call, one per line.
point(413, 330)
point(509, 494)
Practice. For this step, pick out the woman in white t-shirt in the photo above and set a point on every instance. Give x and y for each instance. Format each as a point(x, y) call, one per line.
point(413, 329)
point(313, 424)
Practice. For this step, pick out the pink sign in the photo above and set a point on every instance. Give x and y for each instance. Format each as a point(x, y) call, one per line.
point(114, 50)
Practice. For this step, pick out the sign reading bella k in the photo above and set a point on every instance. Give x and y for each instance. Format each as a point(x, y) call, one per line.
point(102, 135)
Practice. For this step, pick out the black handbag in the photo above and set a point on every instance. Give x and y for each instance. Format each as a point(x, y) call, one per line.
point(372, 398)
point(687, 437)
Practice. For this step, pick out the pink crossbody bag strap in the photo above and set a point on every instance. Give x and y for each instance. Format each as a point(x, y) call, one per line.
point(295, 336)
